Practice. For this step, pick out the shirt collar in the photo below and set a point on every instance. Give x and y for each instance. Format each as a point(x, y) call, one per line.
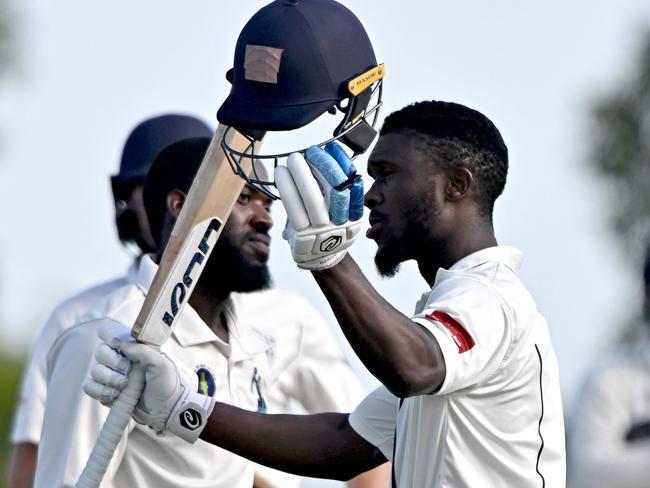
point(507, 255)
point(145, 270)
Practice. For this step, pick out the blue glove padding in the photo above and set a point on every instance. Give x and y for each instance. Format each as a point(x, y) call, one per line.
point(355, 211)
point(323, 197)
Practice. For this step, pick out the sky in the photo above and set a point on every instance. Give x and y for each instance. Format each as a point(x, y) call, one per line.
point(89, 71)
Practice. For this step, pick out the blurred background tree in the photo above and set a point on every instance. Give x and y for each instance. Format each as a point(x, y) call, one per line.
point(10, 374)
point(8, 48)
point(621, 154)
point(10, 366)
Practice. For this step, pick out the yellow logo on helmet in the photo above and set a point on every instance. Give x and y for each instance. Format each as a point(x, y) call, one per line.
point(364, 80)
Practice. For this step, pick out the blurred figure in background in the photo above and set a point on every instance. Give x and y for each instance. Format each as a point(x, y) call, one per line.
point(142, 145)
point(610, 442)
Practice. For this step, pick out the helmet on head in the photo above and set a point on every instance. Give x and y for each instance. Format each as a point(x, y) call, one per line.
point(142, 146)
point(294, 61)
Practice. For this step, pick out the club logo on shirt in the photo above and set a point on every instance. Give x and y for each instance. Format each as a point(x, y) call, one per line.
point(207, 382)
point(464, 341)
point(256, 387)
point(190, 419)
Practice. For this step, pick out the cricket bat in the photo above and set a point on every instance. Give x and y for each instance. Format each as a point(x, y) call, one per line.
point(213, 193)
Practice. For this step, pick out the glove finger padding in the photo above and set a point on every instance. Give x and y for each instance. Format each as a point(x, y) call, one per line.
point(308, 189)
point(114, 334)
point(356, 183)
point(106, 395)
point(323, 197)
point(330, 177)
point(296, 213)
point(110, 358)
point(108, 377)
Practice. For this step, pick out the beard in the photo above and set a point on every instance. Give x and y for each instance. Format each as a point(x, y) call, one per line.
point(410, 242)
point(387, 259)
point(229, 270)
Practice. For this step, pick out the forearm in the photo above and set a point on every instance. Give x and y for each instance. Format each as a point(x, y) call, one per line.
point(23, 465)
point(402, 355)
point(320, 446)
point(378, 477)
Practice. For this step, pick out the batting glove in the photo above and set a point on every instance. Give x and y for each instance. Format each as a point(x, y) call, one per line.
point(323, 197)
point(169, 401)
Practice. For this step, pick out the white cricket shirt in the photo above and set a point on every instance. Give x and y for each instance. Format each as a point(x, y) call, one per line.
point(307, 365)
point(615, 398)
point(497, 419)
point(230, 371)
point(28, 414)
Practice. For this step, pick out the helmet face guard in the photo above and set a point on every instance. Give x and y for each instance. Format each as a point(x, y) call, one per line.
point(356, 131)
point(294, 61)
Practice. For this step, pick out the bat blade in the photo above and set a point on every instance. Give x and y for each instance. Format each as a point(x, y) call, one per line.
point(213, 193)
point(208, 204)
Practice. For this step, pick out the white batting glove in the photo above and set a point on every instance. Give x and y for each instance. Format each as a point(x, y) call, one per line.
point(323, 197)
point(169, 401)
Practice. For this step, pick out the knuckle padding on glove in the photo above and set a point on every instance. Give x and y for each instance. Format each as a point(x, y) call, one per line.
point(107, 376)
point(109, 357)
point(103, 393)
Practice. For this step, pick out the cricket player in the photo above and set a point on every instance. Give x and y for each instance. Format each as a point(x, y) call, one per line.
point(470, 390)
point(228, 357)
point(610, 441)
point(143, 143)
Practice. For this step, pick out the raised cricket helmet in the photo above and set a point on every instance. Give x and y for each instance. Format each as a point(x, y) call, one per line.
point(294, 61)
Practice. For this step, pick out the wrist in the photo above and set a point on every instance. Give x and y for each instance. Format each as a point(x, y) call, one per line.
point(190, 415)
point(323, 263)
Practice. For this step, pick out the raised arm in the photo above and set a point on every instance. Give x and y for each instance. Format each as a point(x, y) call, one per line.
point(404, 356)
point(400, 353)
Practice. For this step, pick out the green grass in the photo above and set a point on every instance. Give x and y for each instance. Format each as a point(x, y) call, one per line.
point(10, 375)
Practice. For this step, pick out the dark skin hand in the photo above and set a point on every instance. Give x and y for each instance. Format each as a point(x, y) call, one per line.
point(318, 446)
point(417, 212)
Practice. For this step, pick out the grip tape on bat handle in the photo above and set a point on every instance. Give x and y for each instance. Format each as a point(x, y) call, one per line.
point(112, 430)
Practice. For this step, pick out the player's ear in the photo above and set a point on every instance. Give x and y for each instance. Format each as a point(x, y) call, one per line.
point(175, 201)
point(459, 183)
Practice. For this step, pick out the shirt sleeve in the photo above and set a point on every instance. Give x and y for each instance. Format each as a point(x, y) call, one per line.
point(28, 416)
point(600, 455)
point(375, 418)
point(470, 324)
point(72, 420)
point(320, 378)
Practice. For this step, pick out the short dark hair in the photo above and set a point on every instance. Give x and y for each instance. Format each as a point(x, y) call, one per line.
point(461, 137)
point(173, 169)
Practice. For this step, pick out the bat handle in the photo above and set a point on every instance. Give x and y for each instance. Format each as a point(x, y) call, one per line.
point(112, 430)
